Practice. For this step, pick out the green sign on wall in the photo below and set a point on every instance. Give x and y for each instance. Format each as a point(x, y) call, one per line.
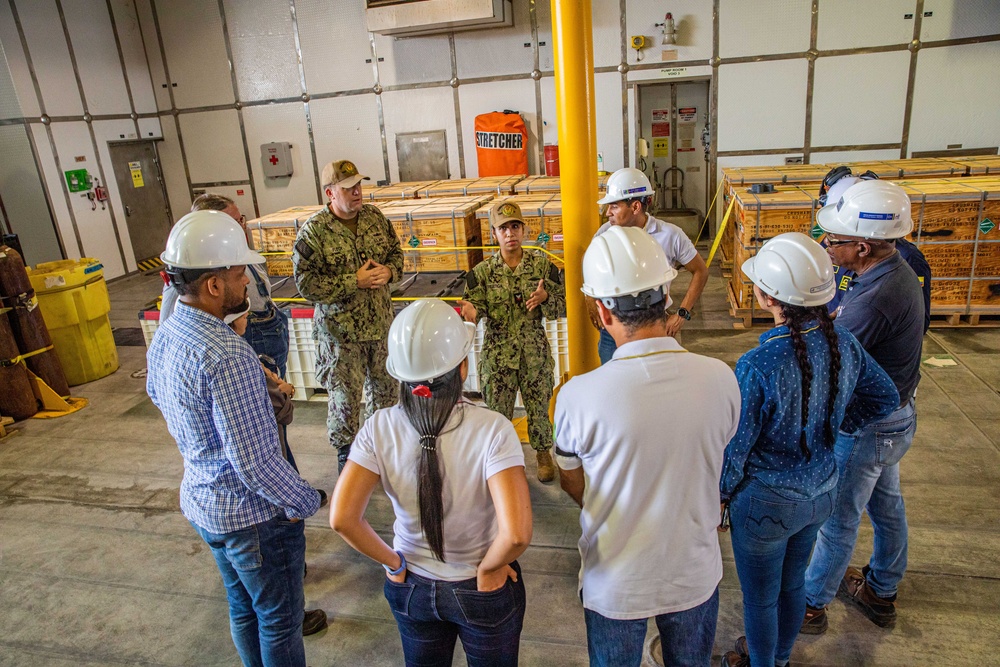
point(78, 180)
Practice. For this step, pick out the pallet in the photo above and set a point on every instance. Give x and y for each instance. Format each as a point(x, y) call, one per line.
point(745, 316)
point(946, 320)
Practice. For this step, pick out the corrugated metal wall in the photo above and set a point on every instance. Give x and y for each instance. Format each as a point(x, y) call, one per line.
point(822, 79)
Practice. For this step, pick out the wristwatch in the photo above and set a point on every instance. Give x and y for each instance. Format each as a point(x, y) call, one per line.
point(685, 313)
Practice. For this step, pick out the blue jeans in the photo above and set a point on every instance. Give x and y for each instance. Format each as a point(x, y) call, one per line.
point(431, 614)
point(685, 636)
point(267, 333)
point(772, 538)
point(868, 462)
point(606, 347)
point(261, 567)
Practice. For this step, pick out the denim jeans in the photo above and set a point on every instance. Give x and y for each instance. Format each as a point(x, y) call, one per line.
point(431, 614)
point(772, 538)
point(261, 567)
point(868, 462)
point(606, 347)
point(685, 636)
point(267, 333)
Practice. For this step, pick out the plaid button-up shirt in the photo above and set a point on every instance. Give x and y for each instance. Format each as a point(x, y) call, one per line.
point(209, 386)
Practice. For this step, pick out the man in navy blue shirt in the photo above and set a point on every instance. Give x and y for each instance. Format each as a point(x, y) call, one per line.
point(239, 493)
point(884, 309)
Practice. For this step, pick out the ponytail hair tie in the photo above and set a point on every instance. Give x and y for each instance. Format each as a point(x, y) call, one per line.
point(432, 439)
point(422, 390)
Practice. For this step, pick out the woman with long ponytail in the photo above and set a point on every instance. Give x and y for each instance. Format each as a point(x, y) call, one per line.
point(807, 379)
point(454, 473)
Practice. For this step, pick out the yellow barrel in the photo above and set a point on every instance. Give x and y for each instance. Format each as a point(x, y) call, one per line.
point(74, 301)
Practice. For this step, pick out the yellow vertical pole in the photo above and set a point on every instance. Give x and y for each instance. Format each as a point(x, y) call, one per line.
point(573, 51)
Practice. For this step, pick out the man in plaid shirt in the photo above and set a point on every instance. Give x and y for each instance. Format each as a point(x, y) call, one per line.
point(241, 496)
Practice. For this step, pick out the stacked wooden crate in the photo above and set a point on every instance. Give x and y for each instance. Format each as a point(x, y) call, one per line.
point(409, 190)
point(542, 220)
point(275, 233)
point(448, 223)
point(533, 185)
point(464, 187)
point(955, 226)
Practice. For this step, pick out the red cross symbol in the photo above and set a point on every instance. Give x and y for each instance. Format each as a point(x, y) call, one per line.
point(273, 159)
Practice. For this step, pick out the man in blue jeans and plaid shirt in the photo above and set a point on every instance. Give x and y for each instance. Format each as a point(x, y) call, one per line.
point(239, 493)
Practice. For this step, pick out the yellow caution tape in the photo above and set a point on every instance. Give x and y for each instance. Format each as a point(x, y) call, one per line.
point(27, 355)
point(435, 248)
point(718, 234)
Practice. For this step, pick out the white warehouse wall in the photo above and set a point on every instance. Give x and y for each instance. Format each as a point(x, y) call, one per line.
point(837, 84)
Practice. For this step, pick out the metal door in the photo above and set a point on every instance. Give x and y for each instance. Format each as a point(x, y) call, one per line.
point(423, 156)
point(140, 186)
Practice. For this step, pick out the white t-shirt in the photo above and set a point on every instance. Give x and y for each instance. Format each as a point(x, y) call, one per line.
point(652, 457)
point(672, 239)
point(475, 444)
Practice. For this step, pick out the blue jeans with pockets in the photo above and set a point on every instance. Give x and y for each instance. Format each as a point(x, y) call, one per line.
point(868, 462)
point(772, 538)
point(686, 637)
point(261, 567)
point(432, 614)
point(267, 333)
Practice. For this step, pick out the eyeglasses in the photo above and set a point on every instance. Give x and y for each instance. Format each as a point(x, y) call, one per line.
point(831, 243)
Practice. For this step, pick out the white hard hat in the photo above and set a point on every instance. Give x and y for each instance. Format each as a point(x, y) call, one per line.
point(208, 240)
point(838, 189)
point(793, 269)
point(627, 183)
point(426, 340)
point(869, 209)
point(625, 261)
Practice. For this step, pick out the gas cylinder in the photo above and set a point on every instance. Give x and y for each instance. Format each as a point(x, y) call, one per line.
point(16, 398)
point(26, 321)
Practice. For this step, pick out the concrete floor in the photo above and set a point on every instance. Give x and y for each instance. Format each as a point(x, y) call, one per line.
point(98, 567)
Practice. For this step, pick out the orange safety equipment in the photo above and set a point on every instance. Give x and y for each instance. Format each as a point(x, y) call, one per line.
point(501, 144)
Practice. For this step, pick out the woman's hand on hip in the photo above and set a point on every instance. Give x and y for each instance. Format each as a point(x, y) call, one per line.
point(491, 580)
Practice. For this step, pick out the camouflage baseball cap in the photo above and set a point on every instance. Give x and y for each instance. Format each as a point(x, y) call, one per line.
point(342, 173)
point(504, 212)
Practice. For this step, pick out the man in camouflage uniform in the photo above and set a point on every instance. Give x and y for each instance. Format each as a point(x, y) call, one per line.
point(513, 290)
point(344, 259)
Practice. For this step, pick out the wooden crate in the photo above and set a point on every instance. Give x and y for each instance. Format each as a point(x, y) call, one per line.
point(951, 209)
point(406, 190)
point(276, 232)
point(759, 217)
point(444, 222)
point(464, 187)
point(980, 165)
point(984, 297)
point(537, 184)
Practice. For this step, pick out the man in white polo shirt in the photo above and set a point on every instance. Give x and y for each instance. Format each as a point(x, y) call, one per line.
point(645, 467)
point(628, 197)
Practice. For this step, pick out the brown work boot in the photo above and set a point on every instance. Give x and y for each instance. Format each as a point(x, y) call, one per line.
point(815, 622)
point(854, 588)
point(546, 468)
point(313, 621)
point(734, 659)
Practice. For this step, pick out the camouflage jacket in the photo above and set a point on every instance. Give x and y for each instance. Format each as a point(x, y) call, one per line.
point(500, 294)
point(326, 260)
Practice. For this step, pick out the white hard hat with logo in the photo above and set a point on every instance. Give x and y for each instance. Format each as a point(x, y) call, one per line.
point(793, 269)
point(626, 268)
point(627, 183)
point(426, 340)
point(870, 210)
point(208, 240)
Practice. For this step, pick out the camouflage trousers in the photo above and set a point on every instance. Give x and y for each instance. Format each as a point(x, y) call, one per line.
point(345, 369)
point(534, 379)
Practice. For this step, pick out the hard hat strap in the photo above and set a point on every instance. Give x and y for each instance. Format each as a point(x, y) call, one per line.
point(640, 301)
point(180, 276)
